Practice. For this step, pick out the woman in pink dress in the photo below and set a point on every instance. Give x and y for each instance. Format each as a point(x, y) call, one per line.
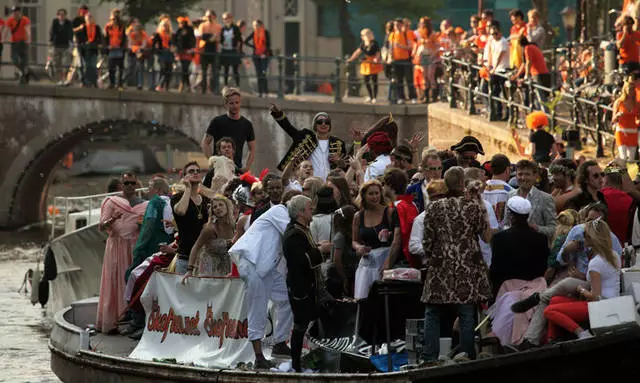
point(120, 216)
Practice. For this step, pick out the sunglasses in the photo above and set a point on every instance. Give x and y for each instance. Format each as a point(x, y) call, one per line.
point(436, 168)
point(193, 171)
point(323, 121)
point(130, 183)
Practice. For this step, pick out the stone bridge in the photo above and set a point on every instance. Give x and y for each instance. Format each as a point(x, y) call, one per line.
point(40, 124)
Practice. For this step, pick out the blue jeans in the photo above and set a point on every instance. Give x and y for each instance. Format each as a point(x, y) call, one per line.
point(432, 315)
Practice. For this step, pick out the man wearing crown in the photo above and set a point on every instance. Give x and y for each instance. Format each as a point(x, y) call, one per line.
point(323, 150)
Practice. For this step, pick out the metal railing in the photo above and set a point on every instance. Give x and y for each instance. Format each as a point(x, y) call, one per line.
point(63, 206)
point(583, 116)
point(285, 71)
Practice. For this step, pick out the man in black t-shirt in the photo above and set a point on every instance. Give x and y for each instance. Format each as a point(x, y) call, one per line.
point(191, 212)
point(233, 125)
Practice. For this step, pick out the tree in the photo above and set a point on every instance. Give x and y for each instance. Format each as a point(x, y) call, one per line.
point(148, 10)
point(383, 10)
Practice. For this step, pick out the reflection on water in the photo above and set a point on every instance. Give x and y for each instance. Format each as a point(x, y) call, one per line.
point(24, 331)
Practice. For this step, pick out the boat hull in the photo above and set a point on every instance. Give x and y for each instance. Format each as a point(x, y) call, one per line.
point(615, 352)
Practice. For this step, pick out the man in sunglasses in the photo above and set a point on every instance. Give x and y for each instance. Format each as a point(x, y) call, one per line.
point(590, 180)
point(316, 144)
point(190, 213)
point(431, 170)
point(466, 151)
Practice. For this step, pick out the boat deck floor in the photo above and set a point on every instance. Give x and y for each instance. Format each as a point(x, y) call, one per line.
point(115, 345)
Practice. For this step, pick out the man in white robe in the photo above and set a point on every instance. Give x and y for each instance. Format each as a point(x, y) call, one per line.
point(261, 265)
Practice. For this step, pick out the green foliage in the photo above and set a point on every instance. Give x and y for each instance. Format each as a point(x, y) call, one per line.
point(148, 10)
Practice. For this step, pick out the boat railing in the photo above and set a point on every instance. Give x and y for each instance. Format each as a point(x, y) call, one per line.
point(63, 206)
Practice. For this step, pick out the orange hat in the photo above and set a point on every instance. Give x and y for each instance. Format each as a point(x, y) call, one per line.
point(182, 19)
point(537, 120)
point(459, 30)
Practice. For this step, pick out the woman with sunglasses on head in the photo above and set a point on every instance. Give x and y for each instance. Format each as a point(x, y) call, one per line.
point(214, 240)
point(325, 151)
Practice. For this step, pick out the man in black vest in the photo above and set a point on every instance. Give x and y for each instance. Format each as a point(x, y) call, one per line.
point(323, 150)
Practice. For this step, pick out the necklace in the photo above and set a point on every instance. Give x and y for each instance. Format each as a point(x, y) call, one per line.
point(199, 209)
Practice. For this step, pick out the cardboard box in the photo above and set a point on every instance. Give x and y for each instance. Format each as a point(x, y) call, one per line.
point(635, 292)
point(629, 277)
point(607, 314)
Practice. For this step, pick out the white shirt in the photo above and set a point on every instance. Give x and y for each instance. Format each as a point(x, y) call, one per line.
point(320, 227)
point(635, 233)
point(377, 167)
point(227, 39)
point(493, 223)
point(416, 237)
point(609, 275)
point(167, 214)
point(498, 47)
point(497, 194)
point(320, 159)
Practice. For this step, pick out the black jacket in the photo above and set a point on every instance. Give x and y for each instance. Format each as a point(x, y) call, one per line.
point(237, 38)
point(518, 253)
point(184, 39)
point(61, 35)
point(250, 43)
point(303, 259)
point(300, 136)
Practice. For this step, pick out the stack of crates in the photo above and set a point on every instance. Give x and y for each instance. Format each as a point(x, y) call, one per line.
point(414, 338)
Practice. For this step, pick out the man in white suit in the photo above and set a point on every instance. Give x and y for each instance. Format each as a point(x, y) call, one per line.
point(261, 265)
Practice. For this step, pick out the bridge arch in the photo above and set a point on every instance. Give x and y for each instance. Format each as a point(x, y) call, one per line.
point(28, 200)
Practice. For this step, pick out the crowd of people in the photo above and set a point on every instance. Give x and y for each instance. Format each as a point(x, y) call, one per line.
point(345, 209)
point(199, 50)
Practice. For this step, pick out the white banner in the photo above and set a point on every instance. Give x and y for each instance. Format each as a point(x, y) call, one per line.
point(203, 322)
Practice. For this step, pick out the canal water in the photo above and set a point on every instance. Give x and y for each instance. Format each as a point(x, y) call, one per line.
point(24, 328)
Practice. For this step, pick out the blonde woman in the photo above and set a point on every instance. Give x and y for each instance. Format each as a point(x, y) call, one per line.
point(603, 282)
point(626, 121)
point(566, 220)
point(215, 239)
point(374, 235)
point(162, 44)
point(371, 64)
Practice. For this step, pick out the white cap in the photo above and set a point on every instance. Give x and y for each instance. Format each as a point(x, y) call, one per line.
point(519, 205)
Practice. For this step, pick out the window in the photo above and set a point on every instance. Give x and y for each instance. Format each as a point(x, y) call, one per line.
point(291, 8)
point(328, 21)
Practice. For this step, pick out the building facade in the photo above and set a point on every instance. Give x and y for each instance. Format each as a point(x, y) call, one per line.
point(293, 25)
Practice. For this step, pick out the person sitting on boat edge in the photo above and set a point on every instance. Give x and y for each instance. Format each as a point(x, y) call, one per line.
point(323, 150)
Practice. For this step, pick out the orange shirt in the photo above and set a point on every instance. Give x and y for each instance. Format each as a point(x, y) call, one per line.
point(260, 41)
point(137, 40)
point(166, 40)
point(115, 35)
point(91, 32)
point(534, 55)
point(396, 38)
point(628, 118)
point(20, 28)
point(629, 51)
